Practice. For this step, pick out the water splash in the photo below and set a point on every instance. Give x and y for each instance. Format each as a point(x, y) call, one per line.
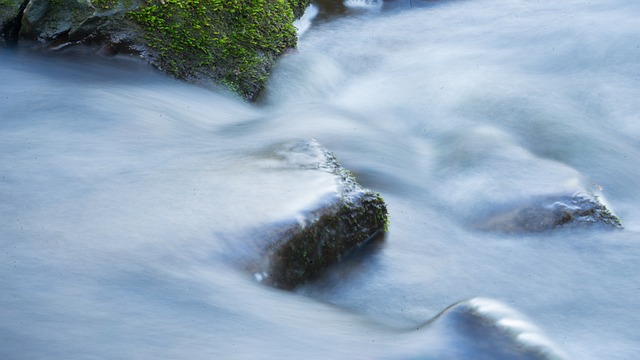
point(363, 4)
point(304, 23)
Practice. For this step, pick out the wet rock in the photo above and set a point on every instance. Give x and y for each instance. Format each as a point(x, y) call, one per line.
point(483, 328)
point(229, 43)
point(340, 221)
point(491, 182)
point(47, 21)
point(10, 17)
point(549, 213)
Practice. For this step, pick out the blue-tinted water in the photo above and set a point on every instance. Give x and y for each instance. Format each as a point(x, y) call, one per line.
point(124, 194)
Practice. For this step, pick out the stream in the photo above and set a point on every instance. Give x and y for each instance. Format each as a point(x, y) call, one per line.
point(126, 196)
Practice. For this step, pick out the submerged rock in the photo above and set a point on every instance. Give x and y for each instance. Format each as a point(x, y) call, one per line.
point(549, 213)
point(343, 219)
point(232, 43)
point(491, 182)
point(483, 328)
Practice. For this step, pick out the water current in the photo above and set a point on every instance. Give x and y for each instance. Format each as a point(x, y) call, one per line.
point(123, 193)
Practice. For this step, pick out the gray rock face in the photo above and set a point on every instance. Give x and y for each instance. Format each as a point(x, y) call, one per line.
point(290, 254)
point(43, 22)
point(70, 22)
point(53, 24)
point(549, 213)
point(10, 17)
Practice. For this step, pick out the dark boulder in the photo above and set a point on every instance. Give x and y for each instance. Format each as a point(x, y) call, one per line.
point(550, 213)
point(10, 21)
point(230, 43)
point(291, 253)
point(45, 21)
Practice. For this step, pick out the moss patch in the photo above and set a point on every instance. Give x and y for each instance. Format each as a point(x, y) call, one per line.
point(235, 42)
point(231, 42)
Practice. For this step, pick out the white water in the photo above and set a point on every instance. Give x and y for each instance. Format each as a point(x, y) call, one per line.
point(119, 191)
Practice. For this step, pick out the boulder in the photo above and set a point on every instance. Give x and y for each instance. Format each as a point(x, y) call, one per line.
point(347, 216)
point(549, 213)
point(484, 328)
point(228, 42)
point(50, 22)
point(10, 17)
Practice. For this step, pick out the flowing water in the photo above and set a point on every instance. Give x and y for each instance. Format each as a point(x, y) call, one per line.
point(123, 193)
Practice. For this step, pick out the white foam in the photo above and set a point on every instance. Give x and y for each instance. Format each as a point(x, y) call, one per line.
point(365, 4)
point(304, 23)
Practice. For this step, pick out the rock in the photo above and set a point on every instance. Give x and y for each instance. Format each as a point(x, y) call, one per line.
point(230, 43)
point(10, 17)
point(549, 213)
point(483, 328)
point(47, 21)
point(291, 254)
point(114, 34)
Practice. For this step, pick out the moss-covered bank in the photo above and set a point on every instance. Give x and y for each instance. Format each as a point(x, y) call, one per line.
point(230, 42)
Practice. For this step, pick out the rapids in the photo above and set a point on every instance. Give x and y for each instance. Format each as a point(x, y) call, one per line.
point(123, 194)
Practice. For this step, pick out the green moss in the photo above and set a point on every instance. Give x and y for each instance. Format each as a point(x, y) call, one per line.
point(235, 42)
point(232, 42)
point(9, 9)
point(602, 214)
point(298, 6)
point(9, 3)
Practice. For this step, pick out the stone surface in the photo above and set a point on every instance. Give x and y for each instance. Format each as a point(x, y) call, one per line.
point(225, 42)
point(344, 219)
point(10, 14)
point(550, 213)
point(47, 21)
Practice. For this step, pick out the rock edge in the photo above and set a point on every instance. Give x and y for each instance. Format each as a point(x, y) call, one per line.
point(301, 252)
point(233, 43)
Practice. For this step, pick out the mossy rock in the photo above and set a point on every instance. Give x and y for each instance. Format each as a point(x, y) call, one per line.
point(235, 42)
point(10, 12)
point(551, 213)
point(297, 252)
point(230, 42)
